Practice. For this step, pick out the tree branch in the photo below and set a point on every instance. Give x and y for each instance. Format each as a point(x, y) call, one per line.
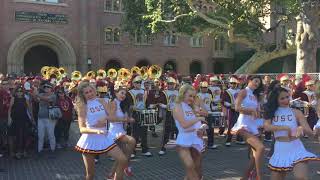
point(205, 17)
point(243, 40)
point(174, 19)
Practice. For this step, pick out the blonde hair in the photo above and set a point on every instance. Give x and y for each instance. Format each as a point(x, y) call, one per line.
point(80, 99)
point(182, 92)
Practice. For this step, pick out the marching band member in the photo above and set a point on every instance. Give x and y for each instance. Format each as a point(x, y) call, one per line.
point(168, 125)
point(312, 103)
point(116, 129)
point(286, 83)
point(228, 102)
point(136, 101)
point(248, 107)
point(206, 99)
point(287, 125)
point(189, 141)
point(92, 117)
point(215, 90)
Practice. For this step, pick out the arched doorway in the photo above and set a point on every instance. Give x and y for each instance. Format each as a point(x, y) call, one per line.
point(39, 56)
point(195, 68)
point(218, 68)
point(143, 63)
point(40, 37)
point(113, 64)
point(170, 66)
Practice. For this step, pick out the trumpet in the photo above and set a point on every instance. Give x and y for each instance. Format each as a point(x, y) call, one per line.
point(76, 76)
point(101, 74)
point(144, 72)
point(91, 75)
point(112, 73)
point(155, 71)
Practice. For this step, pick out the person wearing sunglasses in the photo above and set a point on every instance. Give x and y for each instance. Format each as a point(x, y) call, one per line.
point(19, 121)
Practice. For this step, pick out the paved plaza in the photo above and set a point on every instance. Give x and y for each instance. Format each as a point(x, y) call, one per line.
point(225, 163)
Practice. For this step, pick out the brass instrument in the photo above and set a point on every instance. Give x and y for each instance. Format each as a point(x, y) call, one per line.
point(144, 72)
point(101, 74)
point(154, 72)
point(54, 73)
point(135, 70)
point(124, 74)
point(91, 75)
point(76, 76)
point(63, 72)
point(112, 73)
point(44, 71)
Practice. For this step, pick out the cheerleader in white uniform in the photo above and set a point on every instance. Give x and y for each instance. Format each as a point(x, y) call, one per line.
point(247, 126)
point(189, 141)
point(116, 129)
point(92, 118)
point(288, 125)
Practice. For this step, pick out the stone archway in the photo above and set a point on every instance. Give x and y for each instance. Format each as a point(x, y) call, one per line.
point(195, 67)
point(39, 37)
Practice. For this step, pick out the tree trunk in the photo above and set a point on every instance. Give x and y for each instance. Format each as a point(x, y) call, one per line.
point(260, 58)
point(306, 39)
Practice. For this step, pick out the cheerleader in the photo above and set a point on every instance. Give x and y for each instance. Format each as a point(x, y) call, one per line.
point(288, 125)
point(116, 129)
point(92, 117)
point(246, 126)
point(189, 141)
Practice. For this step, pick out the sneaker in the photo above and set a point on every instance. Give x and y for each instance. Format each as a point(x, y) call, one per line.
point(222, 135)
point(148, 154)
point(161, 153)
point(213, 147)
point(318, 172)
point(268, 140)
point(111, 159)
point(241, 142)
point(110, 177)
point(132, 156)
point(128, 171)
point(96, 161)
point(228, 143)
point(59, 146)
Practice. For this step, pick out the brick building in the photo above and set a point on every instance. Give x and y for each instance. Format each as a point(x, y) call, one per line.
point(82, 34)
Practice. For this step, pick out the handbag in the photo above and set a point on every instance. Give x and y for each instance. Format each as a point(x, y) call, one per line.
point(54, 112)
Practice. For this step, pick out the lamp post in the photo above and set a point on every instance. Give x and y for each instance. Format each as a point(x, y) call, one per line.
point(89, 62)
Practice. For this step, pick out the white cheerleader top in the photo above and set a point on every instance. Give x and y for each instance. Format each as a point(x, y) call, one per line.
point(250, 101)
point(188, 115)
point(119, 114)
point(284, 116)
point(95, 112)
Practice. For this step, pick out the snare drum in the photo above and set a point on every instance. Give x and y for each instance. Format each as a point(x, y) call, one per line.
point(148, 117)
point(302, 106)
point(216, 118)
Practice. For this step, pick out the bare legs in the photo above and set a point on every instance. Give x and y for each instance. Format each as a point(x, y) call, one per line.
point(191, 159)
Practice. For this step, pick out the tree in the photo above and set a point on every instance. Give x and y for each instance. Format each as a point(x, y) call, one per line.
point(244, 22)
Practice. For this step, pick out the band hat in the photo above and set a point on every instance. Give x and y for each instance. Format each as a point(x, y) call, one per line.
point(171, 80)
point(214, 78)
point(233, 80)
point(137, 79)
point(284, 78)
point(204, 84)
point(102, 89)
point(310, 82)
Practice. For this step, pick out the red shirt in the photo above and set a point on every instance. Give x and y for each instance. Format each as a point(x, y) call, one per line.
point(5, 98)
point(66, 107)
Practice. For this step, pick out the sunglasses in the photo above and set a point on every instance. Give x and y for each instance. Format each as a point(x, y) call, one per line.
point(138, 82)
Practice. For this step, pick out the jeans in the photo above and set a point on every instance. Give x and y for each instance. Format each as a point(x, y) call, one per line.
point(46, 125)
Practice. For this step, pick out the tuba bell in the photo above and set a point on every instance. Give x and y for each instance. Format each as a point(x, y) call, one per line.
point(62, 72)
point(44, 71)
point(54, 73)
point(155, 71)
point(76, 76)
point(91, 75)
point(135, 70)
point(144, 72)
point(101, 74)
point(124, 74)
point(112, 73)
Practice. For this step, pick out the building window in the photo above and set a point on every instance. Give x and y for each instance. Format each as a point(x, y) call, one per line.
point(113, 5)
point(112, 35)
point(142, 38)
point(196, 41)
point(219, 43)
point(170, 38)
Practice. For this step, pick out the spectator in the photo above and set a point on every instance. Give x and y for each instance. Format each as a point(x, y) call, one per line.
point(63, 124)
point(4, 106)
point(20, 121)
point(46, 99)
